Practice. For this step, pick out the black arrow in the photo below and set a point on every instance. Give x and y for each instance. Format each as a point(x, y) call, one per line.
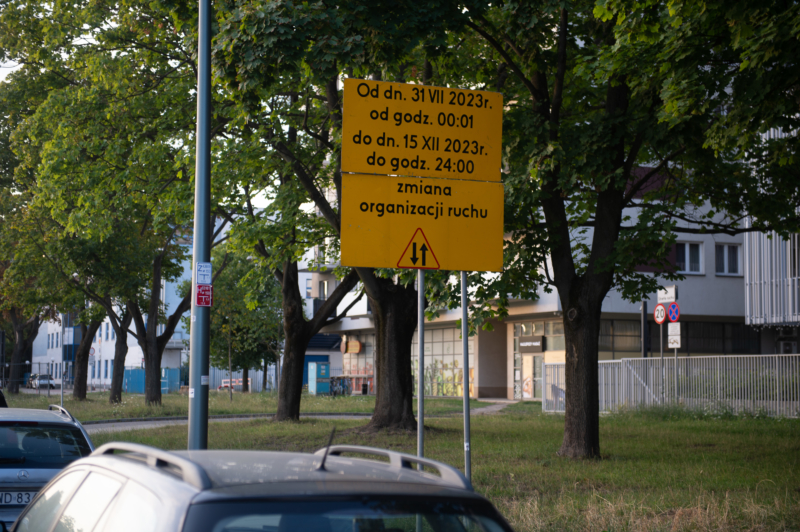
point(414, 258)
point(423, 249)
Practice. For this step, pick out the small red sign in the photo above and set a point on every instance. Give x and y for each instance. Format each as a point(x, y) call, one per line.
point(205, 295)
point(660, 314)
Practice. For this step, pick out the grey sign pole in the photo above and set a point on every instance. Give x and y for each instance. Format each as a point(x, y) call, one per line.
point(421, 369)
point(465, 385)
point(198, 346)
point(663, 371)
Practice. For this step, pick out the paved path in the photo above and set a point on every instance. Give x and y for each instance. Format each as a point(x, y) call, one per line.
point(118, 426)
point(491, 409)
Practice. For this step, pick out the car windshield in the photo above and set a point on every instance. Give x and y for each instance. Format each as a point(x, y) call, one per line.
point(364, 514)
point(40, 445)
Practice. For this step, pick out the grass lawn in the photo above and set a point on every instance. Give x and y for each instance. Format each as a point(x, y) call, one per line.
point(660, 470)
point(96, 405)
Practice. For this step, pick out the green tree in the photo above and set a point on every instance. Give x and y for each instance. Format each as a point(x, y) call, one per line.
point(291, 57)
point(246, 316)
point(111, 149)
point(597, 182)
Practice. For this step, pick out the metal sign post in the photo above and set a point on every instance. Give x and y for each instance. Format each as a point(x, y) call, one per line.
point(421, 370)
point(198, 346)
point(674, 338)
point(660, 315)
point(465, 350)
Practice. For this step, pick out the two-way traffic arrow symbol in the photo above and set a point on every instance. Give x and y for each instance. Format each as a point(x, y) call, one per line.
point(418, 253)
point(414, 257)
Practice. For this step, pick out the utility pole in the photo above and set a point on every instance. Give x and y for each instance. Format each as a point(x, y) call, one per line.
point(198, 345)
point(421, 368)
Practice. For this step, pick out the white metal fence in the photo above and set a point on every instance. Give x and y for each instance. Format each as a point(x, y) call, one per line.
point(216, 376)
point(755, 384)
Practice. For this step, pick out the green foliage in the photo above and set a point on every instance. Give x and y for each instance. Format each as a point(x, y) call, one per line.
point(246, 318)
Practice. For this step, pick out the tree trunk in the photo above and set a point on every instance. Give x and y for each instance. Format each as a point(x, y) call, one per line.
point(149, 340)
point(17, 366)
point(297, 333)
point(290, 388)
point(25, 332)
point(264, 384)
point(245, 376)
point(152, 378)
point(230, 372)
point(81, 363)
point(581, 419)
point(395, 322)
point(120, 353)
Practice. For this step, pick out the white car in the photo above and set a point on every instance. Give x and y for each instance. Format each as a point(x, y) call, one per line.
point(42, 381)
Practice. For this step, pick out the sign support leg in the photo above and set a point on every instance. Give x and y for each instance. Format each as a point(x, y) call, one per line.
point(663, 370)
point(465, 379)
point(198, 347)
point(421, 369)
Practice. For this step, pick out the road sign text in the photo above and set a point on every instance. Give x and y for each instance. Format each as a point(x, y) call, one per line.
point(423, 131)
point(460, 223)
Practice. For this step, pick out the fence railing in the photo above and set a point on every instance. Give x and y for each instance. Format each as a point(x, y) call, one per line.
point(217, 375)
point(755, 384)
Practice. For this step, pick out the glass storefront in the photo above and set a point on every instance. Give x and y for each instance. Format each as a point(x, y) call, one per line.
point(528, 370)
point(444, 373)
point(360, 367)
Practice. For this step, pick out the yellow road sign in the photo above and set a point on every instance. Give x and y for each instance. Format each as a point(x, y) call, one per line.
point(406, 222)
point(416, 130)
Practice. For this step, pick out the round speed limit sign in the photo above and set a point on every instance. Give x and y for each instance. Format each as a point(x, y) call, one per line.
point(660, 314)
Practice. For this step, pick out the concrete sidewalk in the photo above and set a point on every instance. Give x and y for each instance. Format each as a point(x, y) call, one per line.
point(121, 425)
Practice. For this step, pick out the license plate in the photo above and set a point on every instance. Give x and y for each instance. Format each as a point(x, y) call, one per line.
point(16, 498)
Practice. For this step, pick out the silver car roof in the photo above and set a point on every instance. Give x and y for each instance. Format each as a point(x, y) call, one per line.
point(37, 415)
point(234, 468)
point(208, 470)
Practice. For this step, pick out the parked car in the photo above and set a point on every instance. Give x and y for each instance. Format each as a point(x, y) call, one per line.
point(35, 445)
point(40, 381)
point(247, 491)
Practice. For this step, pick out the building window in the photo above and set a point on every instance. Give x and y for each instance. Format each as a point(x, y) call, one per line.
point(48, 340)
point(554, 332)
point(727, 259)
point(323, 290)
point(444, 371)
point(308, 288)
point(113, 334)
point(105, 370)
point(107, 331)
point(56, 339)
point(688, 257)
point(93, 371)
